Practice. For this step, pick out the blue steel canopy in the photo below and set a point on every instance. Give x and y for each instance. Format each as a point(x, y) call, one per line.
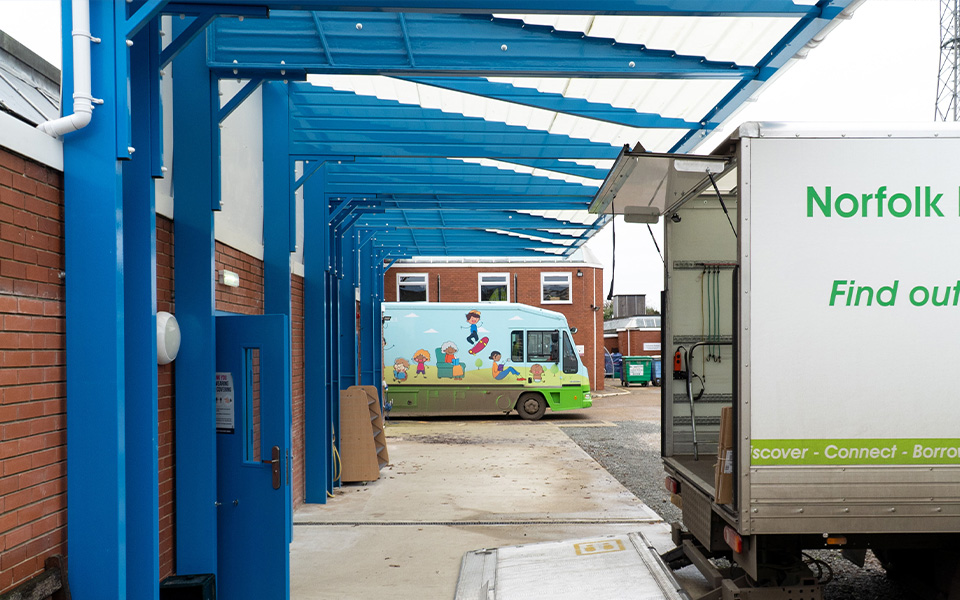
point(412, 161)
point(465, 165)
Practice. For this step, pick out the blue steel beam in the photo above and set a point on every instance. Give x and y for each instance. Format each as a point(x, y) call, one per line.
point(430, 165)
point(477, 202)
point(180, 42)
point(150, 9)
point(442, 44)
point(309, 170)
point(325, 121)
point(278, 204)
point(556, 102)
point(502, 220)
point(433, 218)
point(438, 176)
point(562, 166)
point(466, 237)
point(656, 8)
point(452, 185)
point(805, 30)
point(402, 252)
point(250, 87)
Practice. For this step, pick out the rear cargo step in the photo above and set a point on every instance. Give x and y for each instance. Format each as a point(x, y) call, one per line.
point(623, 566)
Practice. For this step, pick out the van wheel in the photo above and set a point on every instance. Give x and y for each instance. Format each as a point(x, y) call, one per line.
point(531, 407)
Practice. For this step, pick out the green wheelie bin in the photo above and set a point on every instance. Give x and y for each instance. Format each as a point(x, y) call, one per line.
point(636, 369)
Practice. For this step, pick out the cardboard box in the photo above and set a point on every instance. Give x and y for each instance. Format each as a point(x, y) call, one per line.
point(723, 476)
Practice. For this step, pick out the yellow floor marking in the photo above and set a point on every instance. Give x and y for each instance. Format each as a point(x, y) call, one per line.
point(598, 547)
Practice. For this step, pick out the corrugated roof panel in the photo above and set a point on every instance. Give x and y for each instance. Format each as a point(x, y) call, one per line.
point(743, 40)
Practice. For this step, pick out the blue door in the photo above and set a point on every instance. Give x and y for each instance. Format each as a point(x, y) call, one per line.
point(254, 521)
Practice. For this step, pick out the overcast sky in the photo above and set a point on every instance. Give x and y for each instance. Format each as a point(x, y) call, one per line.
point(881, 65)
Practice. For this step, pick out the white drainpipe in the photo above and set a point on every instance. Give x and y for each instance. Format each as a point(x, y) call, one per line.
point(83, 101)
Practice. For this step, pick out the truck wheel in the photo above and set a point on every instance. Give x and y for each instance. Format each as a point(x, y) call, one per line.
point(531, 407)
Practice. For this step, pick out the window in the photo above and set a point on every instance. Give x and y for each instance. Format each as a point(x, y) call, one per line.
point(543, 346)
point(570, 363)
point(555, 288)
point(516, 346)
point(412, 287)
point(494, 287)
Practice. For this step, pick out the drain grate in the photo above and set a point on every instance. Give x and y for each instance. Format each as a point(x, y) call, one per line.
point(513, 523)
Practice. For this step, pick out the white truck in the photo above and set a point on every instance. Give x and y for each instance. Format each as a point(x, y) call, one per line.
point(812, 285)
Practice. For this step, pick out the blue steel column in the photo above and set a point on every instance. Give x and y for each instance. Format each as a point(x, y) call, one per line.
point(193, 166)
point(140, 313)
point(278, 204)
point(369, 336)
point(334, 351)
point(332, 391)
point(316, 350)
point(93, 229)
point(348, 308)
point(378, 324)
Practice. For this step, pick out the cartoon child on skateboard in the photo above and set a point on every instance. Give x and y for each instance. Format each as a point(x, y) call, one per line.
point(473, 318)
point(499, 372)
point(421, 357)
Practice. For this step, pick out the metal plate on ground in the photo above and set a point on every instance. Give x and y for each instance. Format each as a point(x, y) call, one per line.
point(624, 567)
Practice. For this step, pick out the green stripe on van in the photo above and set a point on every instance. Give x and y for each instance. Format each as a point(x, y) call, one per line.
point(900, 451)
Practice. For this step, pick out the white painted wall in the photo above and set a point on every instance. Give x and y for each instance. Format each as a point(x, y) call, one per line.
point(239, 223)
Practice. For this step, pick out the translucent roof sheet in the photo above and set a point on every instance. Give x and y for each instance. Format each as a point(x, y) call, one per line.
point(518, 114)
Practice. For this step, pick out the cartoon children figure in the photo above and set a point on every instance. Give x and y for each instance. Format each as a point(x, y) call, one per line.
point(473, 317)
point(536, 371)
point(421, 357)
point(449, 349)
point(499, 372)
point(400, 367)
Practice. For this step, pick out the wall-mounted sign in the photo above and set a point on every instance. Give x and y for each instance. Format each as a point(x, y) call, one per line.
point(225, 403)
point(651, 346)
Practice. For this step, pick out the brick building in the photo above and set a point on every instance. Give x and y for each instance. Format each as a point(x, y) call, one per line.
point(633, 336)
point(631, 331)
point(573, 287)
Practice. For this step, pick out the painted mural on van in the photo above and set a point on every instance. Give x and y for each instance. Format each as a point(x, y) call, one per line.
point(476, 358)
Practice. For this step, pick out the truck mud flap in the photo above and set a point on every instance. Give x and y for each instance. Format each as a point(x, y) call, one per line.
point(617, 566)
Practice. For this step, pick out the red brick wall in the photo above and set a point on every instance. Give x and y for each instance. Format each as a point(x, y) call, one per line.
point(612, 344)
point(461, 284)
point(248, 298)
point(631, 342)
point(299, 393)
point(33, 517)
point(165, 405)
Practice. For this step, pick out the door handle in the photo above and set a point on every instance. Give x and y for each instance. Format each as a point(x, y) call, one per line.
point(275, 466)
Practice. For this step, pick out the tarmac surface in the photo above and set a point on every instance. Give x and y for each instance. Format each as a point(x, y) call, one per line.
point(456, 485)
point(459, 484)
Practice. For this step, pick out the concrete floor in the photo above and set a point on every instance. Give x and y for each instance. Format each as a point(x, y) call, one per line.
point(458, 485)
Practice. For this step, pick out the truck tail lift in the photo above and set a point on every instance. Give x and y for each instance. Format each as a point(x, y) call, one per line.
point(776, 439)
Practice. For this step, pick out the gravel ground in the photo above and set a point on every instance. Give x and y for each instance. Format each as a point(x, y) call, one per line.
point(630, 451)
